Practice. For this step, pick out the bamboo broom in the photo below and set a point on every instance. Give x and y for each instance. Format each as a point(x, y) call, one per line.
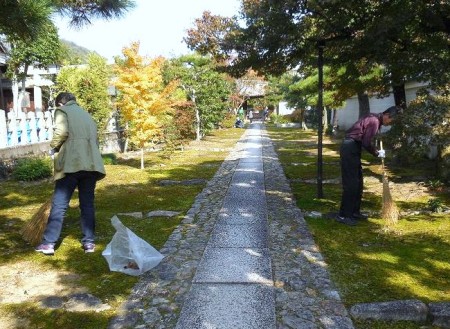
point(389, 208)
point(33, 230)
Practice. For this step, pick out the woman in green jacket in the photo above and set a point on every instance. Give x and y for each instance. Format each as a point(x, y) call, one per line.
point(77, 164)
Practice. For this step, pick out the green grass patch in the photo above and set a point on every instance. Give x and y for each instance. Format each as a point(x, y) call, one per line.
point(369, 262)
point(36, 317)
point(306, 196)
point(126, 188)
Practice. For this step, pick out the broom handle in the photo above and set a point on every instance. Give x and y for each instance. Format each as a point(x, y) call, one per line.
point(382, 159)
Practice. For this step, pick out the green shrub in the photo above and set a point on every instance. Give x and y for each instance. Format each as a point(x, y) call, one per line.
point(435, 185)
point(424, 123)
point(276, 118)
point(30, 169)
point(436, 205)
point(228, 121)
point(109, 159)
point(184, 124)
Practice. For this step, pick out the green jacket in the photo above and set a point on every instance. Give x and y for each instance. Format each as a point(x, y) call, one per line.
point(75, 141)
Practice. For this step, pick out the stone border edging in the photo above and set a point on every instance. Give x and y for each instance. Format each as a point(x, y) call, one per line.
point(305, 295)
point(438, 314)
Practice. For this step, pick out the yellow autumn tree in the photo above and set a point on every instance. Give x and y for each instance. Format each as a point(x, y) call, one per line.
point(145, 103)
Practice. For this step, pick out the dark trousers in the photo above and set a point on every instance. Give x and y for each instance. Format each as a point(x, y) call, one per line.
point(352, 178)
point(64, 188)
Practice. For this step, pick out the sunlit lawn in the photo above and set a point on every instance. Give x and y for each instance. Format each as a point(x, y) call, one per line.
point(369, 262)
point(125, 189)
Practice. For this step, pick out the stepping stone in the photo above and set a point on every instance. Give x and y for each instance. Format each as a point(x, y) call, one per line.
point(440, 313)
point(222, 306)
point(132, 214)
point(163, 213)
point(239, 236)
point(235, 265)
point(398, 310)
point(85, 303)
point(195, 181)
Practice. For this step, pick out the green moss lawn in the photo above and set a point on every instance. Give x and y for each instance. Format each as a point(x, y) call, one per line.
point(372, 262)
point(125, 189)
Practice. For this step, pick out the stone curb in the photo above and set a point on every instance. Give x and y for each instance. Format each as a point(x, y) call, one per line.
point(404, 310)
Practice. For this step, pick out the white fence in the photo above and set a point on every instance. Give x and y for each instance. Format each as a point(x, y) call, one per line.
point(24, 129)
point(30, 134)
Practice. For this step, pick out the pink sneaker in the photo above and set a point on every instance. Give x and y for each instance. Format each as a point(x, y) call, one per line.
point(89, 247)
point(46, 248)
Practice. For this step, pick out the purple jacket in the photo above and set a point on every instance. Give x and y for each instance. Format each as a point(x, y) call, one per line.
point(364, 130)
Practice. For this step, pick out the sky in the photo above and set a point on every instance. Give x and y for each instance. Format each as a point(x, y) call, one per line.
point(159, 26)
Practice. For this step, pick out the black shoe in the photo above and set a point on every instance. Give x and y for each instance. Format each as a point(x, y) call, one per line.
point(360, 216)
point(346, 220)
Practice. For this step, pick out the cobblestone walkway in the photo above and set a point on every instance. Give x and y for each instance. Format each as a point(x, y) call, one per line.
point(296, 290)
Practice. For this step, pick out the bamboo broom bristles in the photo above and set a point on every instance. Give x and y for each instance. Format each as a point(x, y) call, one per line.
point(34, 228)
point(389, 210)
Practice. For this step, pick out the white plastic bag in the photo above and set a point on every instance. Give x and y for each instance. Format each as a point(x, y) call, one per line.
point(128, 253)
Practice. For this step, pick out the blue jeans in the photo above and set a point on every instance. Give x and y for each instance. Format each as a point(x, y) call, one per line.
point(64, 188)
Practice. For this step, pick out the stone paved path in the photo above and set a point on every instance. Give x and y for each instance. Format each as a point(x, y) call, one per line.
point(242, 258)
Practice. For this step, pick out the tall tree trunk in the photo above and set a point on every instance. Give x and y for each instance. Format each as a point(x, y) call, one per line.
point(329, 111)
point(197, 121)
point(443, 162)
point(325, 120)
point(302, 119)
point(364, 106)
point(399, 95)
point(320, 109)
point(142, 158)
point(125, 147)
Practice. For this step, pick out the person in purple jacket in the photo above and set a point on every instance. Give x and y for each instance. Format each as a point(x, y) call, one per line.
point(360, 135)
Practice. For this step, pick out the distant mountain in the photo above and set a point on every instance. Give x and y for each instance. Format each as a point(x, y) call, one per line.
point(75, 54)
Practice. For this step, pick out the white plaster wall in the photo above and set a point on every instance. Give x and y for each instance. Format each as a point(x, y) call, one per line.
point(283, 109)
point(348, 114)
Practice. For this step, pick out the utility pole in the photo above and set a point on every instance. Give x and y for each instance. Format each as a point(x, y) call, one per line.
point(320, 46)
